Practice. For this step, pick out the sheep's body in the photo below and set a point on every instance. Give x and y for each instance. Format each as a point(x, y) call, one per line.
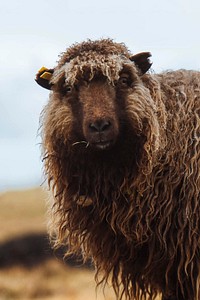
point(130, 198)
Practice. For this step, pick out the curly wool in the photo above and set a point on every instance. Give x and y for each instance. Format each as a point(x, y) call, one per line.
point(89, 57)
point(141, 227)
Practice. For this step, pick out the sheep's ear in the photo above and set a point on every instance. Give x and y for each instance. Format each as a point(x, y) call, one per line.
point(142, 61)
point(43, 77)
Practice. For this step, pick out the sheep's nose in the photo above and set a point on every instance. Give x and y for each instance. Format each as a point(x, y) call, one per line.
point(99, 125)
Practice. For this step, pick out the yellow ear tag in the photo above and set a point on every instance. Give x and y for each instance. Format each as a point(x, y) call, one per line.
point(46, 75)
point(42, 69)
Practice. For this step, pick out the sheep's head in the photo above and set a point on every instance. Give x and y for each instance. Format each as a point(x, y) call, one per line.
point(93, 87)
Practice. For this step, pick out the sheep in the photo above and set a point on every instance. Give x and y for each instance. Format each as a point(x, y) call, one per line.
point(122, 157)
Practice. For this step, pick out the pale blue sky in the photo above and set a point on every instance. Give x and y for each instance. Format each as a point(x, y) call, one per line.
point(33, 33)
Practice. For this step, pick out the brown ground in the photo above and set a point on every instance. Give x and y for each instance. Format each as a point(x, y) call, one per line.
point(23, 213)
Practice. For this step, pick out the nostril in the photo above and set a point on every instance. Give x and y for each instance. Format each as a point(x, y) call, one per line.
point(100, 125)
point(106, 125)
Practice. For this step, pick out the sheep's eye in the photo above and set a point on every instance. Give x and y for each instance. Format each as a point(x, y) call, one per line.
point(124, 81)
point(68, 88)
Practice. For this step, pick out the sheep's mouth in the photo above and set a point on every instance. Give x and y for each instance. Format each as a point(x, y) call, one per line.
point(102, 145)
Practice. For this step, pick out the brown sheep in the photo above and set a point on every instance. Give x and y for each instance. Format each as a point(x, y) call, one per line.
point(122, 156)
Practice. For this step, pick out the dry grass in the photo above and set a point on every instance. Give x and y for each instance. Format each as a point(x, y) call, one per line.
point(51, 280)
point(24, 212)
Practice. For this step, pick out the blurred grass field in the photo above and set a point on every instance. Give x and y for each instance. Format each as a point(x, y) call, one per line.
point(22, 214)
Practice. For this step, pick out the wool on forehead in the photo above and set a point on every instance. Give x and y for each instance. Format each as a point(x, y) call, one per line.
point(88, 59)
point(102, 46)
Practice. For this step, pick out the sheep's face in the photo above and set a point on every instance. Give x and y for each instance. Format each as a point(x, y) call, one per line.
point(98, 108)
point(99, 113)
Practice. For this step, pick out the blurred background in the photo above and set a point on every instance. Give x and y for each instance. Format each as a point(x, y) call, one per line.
point(32, 35)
